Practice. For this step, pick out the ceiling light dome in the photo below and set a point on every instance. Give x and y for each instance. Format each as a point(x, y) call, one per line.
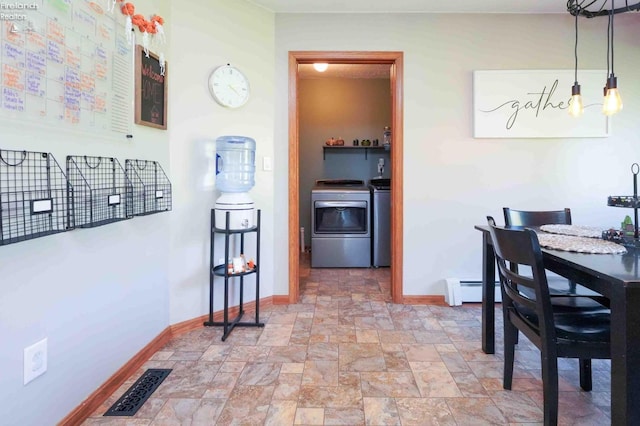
point(321, 66)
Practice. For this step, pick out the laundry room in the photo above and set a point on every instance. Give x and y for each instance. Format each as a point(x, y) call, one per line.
point(345, 143)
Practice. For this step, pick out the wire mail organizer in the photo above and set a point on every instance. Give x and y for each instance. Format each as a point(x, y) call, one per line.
point(33, 196)
point(151, 187)
point(100, 190)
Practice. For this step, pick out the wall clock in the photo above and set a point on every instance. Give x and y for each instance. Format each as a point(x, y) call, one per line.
point(229, 86)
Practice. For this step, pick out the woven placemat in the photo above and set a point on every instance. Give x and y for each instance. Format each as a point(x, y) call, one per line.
point(573, 230)
point(579, 244)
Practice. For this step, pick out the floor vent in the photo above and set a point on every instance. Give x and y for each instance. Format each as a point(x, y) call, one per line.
point(138, 393)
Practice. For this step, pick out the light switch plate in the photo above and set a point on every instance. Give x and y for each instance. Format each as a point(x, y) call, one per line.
point(266, 164)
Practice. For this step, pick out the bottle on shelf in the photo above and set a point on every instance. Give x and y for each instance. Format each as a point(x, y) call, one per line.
point(386, 136)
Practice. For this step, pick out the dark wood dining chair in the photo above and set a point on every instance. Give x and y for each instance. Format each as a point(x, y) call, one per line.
point(556, 331)
point(514, 217)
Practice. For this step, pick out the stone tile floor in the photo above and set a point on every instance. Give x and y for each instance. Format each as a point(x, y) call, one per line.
point(345, 355)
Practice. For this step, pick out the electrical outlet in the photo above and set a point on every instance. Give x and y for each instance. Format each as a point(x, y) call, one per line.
point(35, 360)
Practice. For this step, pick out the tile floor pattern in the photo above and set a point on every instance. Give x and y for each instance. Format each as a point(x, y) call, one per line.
point(345, 355)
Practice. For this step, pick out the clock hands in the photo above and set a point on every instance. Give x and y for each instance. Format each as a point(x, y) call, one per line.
point(234, 89)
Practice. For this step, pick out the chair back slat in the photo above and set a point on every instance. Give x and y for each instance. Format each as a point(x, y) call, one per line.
point(515, 249)
point(512, 284)
point(536, 218)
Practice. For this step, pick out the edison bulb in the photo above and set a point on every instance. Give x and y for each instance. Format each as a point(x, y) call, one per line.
point(576, 107)
point(612, 102)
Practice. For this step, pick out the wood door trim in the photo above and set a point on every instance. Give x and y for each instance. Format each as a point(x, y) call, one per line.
point(395, 59)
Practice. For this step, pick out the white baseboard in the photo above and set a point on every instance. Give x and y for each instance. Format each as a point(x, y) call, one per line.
point(459, 291)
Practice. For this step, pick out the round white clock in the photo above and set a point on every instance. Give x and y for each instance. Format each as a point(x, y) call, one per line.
point(229, 86)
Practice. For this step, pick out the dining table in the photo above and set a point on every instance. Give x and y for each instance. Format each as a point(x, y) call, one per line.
point(615, 276)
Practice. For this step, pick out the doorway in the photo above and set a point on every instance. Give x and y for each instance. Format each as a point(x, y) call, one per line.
point(395, 60)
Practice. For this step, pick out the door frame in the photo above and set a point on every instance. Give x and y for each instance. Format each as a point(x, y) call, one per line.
point(395, 60)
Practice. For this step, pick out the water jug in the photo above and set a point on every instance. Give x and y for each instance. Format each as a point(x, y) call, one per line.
point(235, 163)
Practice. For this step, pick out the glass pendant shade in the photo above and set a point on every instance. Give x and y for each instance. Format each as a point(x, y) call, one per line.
point(612, 100)
point(576, 107)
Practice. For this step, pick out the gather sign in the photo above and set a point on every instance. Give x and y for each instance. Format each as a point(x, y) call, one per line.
point(535, 103)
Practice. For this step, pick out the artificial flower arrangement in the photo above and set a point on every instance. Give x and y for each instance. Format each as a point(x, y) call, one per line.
point(149, 28)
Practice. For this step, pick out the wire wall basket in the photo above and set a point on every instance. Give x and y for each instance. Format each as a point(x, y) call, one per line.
point(151, 188)
point(101, 190)
point(33, 196)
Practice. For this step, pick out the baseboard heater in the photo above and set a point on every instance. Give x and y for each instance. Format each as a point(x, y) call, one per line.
point(459, 291)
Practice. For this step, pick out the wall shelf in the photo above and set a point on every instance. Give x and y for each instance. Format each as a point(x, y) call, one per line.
point(34, 199)
point(150, 186)
point(351, 147)
point(100, 188)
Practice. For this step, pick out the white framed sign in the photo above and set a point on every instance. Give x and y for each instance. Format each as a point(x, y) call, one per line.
point(535, 103)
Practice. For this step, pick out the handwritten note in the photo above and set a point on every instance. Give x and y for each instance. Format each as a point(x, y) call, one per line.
point(67, 63)
point(534, 104)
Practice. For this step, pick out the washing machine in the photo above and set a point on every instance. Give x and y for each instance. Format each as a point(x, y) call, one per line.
point(380, 190)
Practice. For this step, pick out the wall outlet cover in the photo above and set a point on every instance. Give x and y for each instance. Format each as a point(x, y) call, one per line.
point(35, 360)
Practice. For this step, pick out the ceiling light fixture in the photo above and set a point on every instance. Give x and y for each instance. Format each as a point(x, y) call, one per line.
point(320, 66)
point(594, 8)
point(576, 107)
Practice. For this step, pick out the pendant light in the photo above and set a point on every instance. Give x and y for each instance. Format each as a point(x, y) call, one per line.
point(576, 107)
point(612, 100)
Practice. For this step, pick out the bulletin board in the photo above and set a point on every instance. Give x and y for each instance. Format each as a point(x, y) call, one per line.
point(535, 103)
point(67, 64)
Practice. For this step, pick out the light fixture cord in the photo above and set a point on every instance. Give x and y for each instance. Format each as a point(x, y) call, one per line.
point(575, 51)
point(608, 41)
point(613, 8)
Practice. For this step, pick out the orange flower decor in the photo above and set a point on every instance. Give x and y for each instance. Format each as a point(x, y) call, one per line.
point(153, 26)
point(128, 9)
point(158, 19)
point(147, 28)
point(157, 23)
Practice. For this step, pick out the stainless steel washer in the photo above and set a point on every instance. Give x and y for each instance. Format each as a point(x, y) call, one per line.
point(340, 224)
point(380, 222)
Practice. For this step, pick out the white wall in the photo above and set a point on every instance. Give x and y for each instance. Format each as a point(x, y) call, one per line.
point(205, 35)
point(451, 180)
point(100, 295)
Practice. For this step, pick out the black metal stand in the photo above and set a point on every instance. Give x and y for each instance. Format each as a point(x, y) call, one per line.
point(628, 202)
point(223, 271)
point(635, 168)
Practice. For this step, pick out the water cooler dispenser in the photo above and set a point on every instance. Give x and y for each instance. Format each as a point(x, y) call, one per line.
point(235, 171)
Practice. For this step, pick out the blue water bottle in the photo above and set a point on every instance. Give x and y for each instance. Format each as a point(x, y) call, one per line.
point(235, 163)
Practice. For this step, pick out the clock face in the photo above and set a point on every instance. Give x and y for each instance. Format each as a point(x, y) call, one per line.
point(229, 86)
